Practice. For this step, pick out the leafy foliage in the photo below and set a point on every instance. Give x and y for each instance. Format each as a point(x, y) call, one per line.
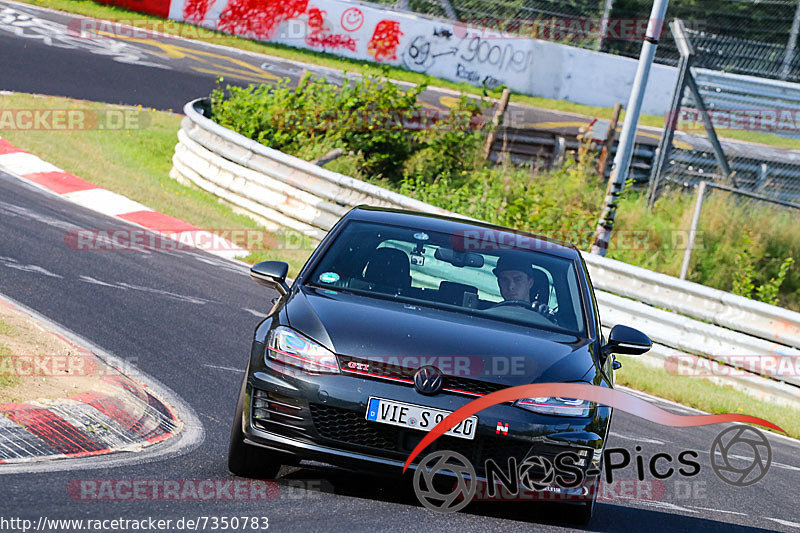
point(382, 125)
point(442, 165)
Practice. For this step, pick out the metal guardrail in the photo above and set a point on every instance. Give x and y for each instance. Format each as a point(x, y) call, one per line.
point(736, 313)
point(543, 148)
point(274, 187)
point(736, 91)
point(284, 191)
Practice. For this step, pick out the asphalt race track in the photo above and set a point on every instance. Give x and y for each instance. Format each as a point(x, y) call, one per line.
point(186, 318)
point(41, 53)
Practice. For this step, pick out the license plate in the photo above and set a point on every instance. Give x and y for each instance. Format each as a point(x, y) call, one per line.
point(416, 417)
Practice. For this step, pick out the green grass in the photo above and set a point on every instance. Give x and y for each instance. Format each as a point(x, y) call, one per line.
point(136, 164)
point(113, 13)
point(703, 394)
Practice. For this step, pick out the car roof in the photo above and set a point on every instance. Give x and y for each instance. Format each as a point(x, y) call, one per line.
point(454, 225)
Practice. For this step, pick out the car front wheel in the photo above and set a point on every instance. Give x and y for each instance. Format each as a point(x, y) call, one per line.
point(245, 460)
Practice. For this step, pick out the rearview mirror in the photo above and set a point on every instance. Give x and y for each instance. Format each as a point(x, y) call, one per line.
point(271, 274)
point(459, 259)
point(626, 340)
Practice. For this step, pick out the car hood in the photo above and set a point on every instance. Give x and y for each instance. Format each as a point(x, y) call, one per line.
point(396, 333)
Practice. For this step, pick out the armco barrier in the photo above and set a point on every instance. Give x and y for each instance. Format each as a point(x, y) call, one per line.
point(284, 191)
point(274, 187)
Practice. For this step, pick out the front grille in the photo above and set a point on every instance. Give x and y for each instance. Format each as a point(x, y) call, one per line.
point(351, 430)
point(405, 375)
point(271, 412)
point(471, 385)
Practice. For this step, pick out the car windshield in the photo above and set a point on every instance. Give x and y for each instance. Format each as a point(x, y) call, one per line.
point(447, 271)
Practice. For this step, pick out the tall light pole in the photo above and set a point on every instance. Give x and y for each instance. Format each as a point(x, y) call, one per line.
point(622, 161)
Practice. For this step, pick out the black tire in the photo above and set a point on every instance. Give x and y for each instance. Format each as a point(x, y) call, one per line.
point(245, 460)
point(583, 515)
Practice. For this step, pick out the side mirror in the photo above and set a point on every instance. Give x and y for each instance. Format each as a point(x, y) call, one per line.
point(271, 274)
point(626, 340)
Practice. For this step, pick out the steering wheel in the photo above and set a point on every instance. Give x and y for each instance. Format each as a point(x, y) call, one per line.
point(504, 303)
point(541, 309)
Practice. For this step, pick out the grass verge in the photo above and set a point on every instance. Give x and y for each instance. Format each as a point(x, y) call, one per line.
point(91, 9)
point(136, 163)
point(704, 395)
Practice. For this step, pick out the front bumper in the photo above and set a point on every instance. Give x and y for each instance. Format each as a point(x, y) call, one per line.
point(322, 418)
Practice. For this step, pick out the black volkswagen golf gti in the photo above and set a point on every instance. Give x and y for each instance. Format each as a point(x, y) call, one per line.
point(400, 318)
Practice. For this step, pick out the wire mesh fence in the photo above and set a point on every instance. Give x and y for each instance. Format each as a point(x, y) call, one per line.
point(753, 37)
point(778, 180)
point(754, 236)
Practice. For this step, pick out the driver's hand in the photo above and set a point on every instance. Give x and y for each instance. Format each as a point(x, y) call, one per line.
point(541, 308)
point(545, 310)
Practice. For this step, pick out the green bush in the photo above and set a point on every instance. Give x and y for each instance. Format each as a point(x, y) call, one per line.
point(368, 118)
point(443, 166)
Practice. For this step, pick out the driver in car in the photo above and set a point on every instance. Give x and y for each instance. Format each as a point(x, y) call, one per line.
point(516, 278)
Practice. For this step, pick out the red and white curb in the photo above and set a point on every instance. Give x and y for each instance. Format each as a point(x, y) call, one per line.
point(51, 178)
point(120, 415)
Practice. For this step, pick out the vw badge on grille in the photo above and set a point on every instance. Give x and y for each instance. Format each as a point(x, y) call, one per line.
point(428, 380)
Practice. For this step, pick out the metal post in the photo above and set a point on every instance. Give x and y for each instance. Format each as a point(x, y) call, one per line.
point(496, 119)
point(609, 4)
point(712, 133)
point(608, 146)
point(670, 125)
point(622, 160)
point(791, 45)
point(686, 51)
point(698, 206)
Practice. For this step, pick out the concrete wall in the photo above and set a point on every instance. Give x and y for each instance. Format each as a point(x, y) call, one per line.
point(452, 51)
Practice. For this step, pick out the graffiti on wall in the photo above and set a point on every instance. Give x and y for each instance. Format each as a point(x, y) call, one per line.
point(456, 52)
point(258, 19)
point(195, 10)
point(385, 40)
point(476, 59)
point(320, 34)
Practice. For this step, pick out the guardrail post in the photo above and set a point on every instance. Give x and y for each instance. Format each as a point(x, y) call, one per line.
point(559, 150)
point(698, 206)
point(498, 115)
point(602, 165)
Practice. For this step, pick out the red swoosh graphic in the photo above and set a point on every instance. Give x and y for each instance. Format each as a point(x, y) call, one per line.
point(592, 393)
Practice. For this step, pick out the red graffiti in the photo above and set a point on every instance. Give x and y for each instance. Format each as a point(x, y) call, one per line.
point(352, 19)
point(331, 41)
point(320, 35)
point(316, 18)
point(259, 18)
point(385, 39)
point(195, 10)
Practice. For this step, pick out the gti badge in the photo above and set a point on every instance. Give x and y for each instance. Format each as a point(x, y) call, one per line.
point(428, 380)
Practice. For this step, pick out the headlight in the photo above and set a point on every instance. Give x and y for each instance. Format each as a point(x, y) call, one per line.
point(291, 348)
point(556, 406)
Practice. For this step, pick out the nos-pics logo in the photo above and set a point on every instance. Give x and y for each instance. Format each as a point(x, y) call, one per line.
point(446, 481)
